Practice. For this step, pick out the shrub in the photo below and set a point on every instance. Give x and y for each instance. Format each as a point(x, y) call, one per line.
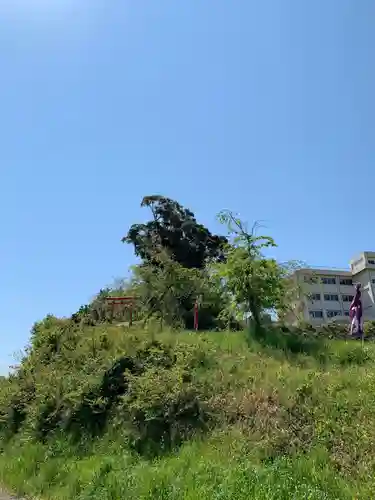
point(16, 394)
point(155, 354)
point(163, 410)
point(83, 403)
point(48, 417)
point(369, 329)
point(94, 407)
point(333, 330)
point(354, 356)
point(289, 339)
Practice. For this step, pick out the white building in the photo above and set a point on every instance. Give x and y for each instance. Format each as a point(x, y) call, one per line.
point(325, 295)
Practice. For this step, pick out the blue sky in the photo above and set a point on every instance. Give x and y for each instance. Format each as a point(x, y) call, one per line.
point(263, 107)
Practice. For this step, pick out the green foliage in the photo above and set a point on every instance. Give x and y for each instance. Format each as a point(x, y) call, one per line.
point(81, 392)
point(176, 230)
point(252, 281)
point(46, 337)
point(15, 396)
point(291, 340)
point(355, 356)
point(369, 329)
point(101, 311)
point(165, 409)
point(182, 263)
point(255, 283)
point(339, 330)
point(273, 419)
point(96, 410)
point(333, 330)
point(168, 291)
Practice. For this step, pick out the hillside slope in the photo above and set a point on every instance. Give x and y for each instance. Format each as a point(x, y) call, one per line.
point(107, 413)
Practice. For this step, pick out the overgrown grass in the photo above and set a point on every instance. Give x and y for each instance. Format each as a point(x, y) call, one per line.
point(104, 413)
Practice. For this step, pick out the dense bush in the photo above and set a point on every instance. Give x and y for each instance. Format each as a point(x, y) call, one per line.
point(334, 330)
point(145, 384)
point(289, 339)
point(86, 423)
point(164, 409)
point(369, 329)
point(341, 330)
point(92, 396)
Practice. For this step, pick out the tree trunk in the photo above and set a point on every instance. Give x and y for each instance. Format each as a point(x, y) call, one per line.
point(255, 313)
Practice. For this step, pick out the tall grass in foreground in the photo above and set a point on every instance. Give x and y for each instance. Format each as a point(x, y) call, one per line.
point(208, 416)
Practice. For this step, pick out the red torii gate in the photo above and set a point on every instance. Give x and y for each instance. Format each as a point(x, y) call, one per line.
point(129, 301)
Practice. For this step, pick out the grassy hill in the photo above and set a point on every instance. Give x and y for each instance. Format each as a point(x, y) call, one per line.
point(106, 412)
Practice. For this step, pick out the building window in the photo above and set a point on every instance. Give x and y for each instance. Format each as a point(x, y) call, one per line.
point(310, 279)
point(331, 297)
point(346, 281)
point(329, 281)
point(373, 281)
point(333, 314)
point(316, 314)
point(347, 298)
point(371, 261)
point(315, 296)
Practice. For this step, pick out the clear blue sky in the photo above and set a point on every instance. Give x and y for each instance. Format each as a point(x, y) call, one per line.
point(264, 107)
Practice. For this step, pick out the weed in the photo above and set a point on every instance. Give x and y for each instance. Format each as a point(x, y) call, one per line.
point(110, 413)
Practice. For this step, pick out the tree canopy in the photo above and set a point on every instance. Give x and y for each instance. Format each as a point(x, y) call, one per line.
point(183, 262)
point(175, 229)
point(255, 283)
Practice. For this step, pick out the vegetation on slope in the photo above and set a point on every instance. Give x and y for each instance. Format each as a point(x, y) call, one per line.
point(101, 411)
point(116, 414)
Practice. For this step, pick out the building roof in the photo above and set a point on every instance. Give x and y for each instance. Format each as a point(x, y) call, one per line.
point(327, 271)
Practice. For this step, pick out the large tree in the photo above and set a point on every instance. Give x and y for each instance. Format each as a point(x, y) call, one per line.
point(169, 290)
point(175, 229)
point(255, 283)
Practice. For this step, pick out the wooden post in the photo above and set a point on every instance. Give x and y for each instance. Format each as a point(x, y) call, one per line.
point(131, 314)
point(196, 323)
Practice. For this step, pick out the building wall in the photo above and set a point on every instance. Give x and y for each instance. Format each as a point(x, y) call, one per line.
point(367, 279)
point(325, 294)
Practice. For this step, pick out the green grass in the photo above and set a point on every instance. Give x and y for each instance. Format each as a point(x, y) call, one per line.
point(291, 423)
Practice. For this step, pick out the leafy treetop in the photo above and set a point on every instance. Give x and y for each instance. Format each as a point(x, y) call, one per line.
point(175, 229)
